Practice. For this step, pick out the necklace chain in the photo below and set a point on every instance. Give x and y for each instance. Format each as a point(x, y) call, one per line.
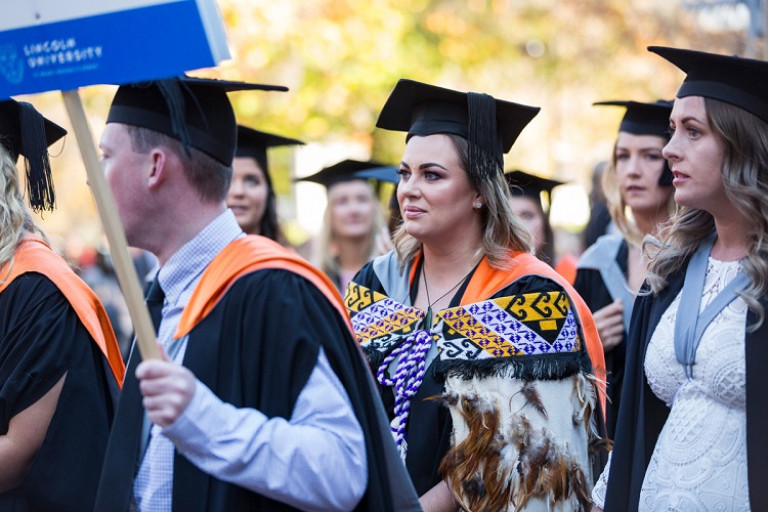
point(428, 318)
point(426, 286)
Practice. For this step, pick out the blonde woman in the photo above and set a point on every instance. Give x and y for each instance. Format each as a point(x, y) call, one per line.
point(353, 223)
point(60, 366)
point(638, 190)
point(479, 348)
point(691, 429)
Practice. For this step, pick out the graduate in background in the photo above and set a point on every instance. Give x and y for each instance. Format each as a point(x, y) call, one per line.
point(353, 224)
point(480, 349)
point(251, 195)
point(60, 366)
point(638, 189)
point(692, 423)
point(526, 191)
point(263, 401)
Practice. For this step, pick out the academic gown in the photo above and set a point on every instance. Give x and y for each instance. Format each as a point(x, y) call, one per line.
point(430, 425)
point(256, 347)
point(42, 338)
point(642, 415)
point(591, 286)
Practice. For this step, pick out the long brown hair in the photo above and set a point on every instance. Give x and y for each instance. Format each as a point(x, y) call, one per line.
point(745, 180)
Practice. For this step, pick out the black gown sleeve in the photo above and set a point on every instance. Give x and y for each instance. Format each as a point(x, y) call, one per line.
point(41, 340)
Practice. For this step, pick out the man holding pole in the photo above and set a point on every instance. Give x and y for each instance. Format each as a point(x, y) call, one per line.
point(262, 400)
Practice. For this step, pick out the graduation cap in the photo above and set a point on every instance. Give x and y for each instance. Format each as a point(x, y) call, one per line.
point(254, 144)
point(643, 118)
point(735, 80)
point(491, 126)
point(523, 184)
point(195, 111)
point(346, 170)
point(646, 119)
point(24, 131)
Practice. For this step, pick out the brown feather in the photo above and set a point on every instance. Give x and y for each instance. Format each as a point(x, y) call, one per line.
point(532, 397)
point(579, 487)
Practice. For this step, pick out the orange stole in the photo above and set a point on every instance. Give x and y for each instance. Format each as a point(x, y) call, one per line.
point(486, 281)
point(566, 267)
point(34, 255)
point(241, 257)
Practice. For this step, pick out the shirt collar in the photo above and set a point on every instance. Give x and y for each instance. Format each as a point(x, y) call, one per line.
point(184, 268)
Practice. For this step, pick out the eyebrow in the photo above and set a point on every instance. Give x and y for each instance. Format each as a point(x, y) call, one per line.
point(425, 166)
point(646, 148)
point(689, 118)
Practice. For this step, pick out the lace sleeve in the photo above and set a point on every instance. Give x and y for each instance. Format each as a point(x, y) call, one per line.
point(598, 493)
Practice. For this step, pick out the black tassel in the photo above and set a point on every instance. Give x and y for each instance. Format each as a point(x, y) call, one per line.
point(35, 150)
point(174, 97)
point(486, 157)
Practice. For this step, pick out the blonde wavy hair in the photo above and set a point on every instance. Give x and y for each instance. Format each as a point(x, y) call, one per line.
point(618, 208)
point(502, 231)
point(15, 220)
point(326, 251)
point(745, 180)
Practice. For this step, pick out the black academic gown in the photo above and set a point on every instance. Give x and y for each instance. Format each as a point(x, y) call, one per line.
point(257, 348)
point(642, 414)
point(41, 339)
point(589, 283)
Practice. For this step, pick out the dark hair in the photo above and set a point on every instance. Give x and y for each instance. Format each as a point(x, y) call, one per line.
point(209, 177)
point(268, 225)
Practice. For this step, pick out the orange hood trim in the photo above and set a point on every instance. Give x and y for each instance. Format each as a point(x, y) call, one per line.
point(34, 255)
point(244, 256)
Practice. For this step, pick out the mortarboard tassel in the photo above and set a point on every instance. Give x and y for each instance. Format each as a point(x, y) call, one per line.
point(174, 97)
point(35, 151)
point(485, 153)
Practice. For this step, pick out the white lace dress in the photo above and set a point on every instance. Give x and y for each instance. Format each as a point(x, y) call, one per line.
point(700, 459)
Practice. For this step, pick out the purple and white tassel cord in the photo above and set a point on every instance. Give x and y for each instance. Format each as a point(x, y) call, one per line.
point(407, 379)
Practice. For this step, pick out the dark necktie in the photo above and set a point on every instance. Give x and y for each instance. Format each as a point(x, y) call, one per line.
point(155, 299)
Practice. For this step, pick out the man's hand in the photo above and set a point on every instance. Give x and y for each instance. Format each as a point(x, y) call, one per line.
point(167, 389)
point(610, 324)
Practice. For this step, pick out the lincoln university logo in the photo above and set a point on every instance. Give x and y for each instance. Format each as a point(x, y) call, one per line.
point(11, 66)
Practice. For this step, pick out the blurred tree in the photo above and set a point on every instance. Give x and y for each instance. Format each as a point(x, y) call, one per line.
point(341, 58)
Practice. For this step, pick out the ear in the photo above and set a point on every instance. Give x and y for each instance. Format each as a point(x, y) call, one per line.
point(159, 170)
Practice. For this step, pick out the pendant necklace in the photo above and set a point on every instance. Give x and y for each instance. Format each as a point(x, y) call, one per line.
point(428, 318)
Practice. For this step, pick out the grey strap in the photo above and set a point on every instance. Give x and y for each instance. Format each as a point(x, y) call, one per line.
point(690, 323)
point(391, 275)
point(602, 257)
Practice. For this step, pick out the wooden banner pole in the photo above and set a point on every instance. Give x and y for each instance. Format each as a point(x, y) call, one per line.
point(113, 228)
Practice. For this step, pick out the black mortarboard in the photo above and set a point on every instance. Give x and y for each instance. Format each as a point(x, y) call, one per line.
point(735, 80)
point(24, 131)
point(529, 185)
point(643, 118)
point(491, 126)
point(346, 170)
point(386, 174)
point(254, 144)
point(195, 111)
point(646, 119)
